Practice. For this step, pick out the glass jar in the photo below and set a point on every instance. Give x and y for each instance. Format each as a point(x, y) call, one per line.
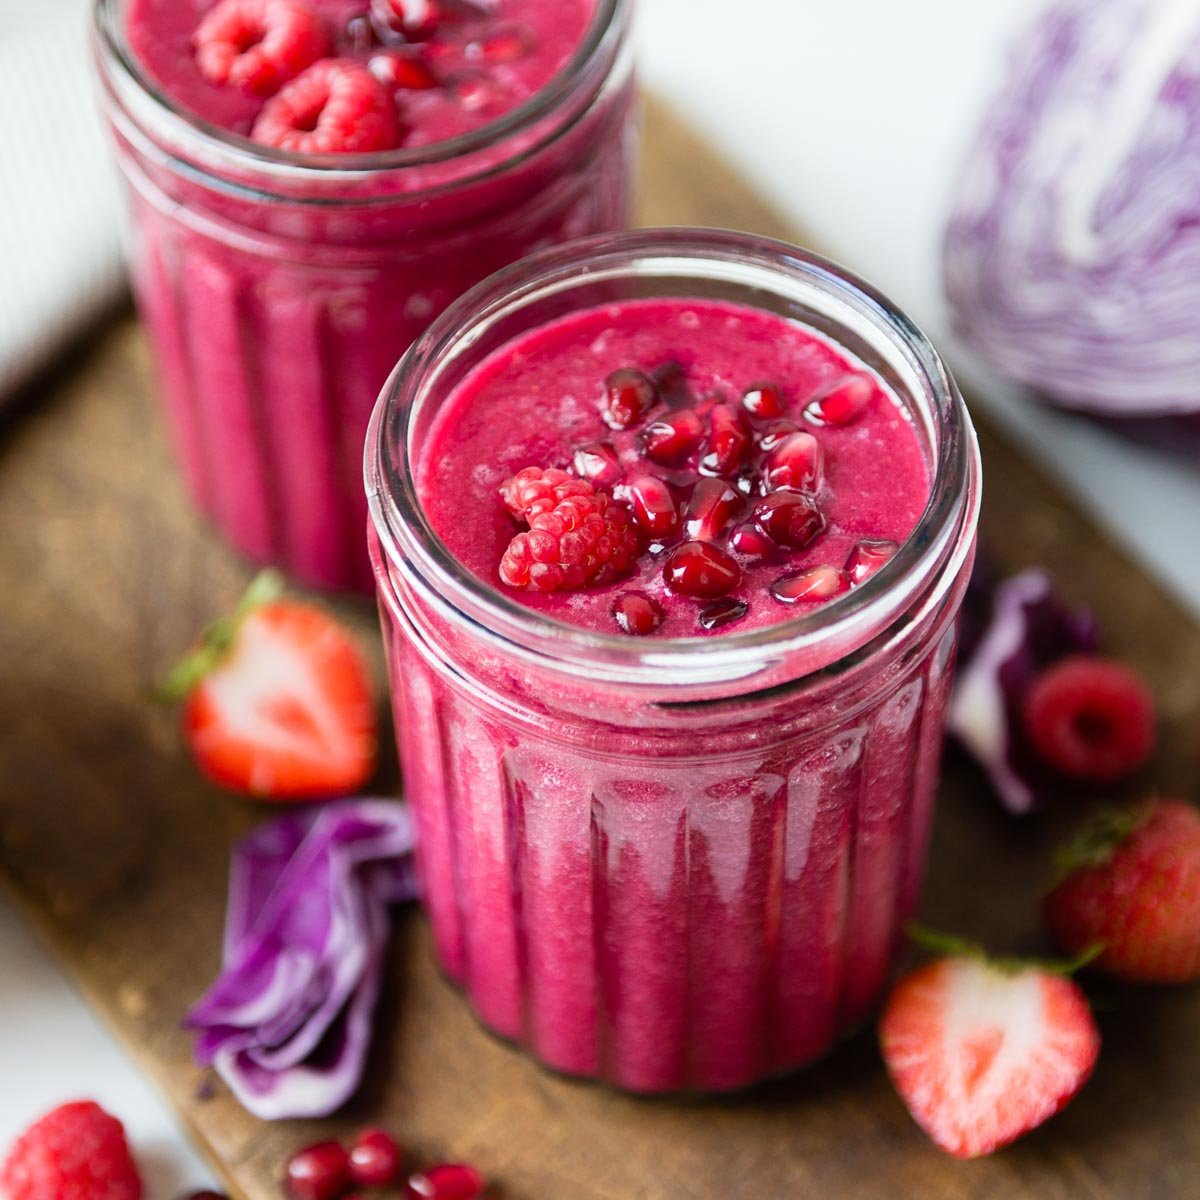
point(671, 864)
point(278, 289)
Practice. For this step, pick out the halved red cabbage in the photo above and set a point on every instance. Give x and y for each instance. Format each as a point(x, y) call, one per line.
point(287, 1023)
point(1072, 254)
point(1030, 629)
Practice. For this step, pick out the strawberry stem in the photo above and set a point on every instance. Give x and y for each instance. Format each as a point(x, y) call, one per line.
point(1093, 846)
point(185, 676)
point(949, 945)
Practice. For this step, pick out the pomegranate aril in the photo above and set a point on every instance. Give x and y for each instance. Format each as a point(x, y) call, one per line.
point(673, 436)
point(866, 558)
point(506, 44)
point(728, 442)
point(318, 1172)
point(789, 518)
point(815, 584)
point(636, 614)
point(597, 462)
point(749, 540)
point(701, 570)
point(476, 93)
point(797, 463)
point(402, 72)
point(772, 435)
point(670, 380)
point(842, 404)
point(712, 506)
point(723, 612)
point(415, 18)
point(375, 1159)
point(629, 395)
point(654, 506)
point(451, 1181)
point(764, 400)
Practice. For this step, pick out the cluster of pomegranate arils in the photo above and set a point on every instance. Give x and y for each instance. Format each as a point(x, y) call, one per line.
point(723, 484)
point(410, 58)
point(328, 1171)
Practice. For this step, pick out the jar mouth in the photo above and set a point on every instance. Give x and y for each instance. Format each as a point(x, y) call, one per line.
point(233, 151)
point(926, 563)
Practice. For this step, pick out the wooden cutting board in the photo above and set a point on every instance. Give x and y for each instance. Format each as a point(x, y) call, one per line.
point(118, 852)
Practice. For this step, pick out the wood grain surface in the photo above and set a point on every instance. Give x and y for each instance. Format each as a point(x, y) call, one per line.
point(118, 851)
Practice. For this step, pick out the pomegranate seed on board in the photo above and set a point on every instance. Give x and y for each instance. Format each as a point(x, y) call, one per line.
point(712, 506)
point(764, 400)
point(597, 462)
point(818, 583)
point(672, 437)
point(701, 570)
point(843, 404)
point(723, 612)
point(636, 614)
point(654, 506)
point(451, 1181)
point(629, 395)
point(375, 1159)
point(728, 442)
point(798, 463)
point(867, 557)
point(318, 1172)
point(789, 518)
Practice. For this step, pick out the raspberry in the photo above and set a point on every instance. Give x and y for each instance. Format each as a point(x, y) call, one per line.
point(534, 491)
point(1091, 719)
point(77, 1152)
point(577, 536)
point(336, 107)
point(259, 45)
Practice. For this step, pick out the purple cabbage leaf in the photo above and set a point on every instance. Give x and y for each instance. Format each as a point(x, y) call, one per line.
point(287, 1023)
point(1030, 629)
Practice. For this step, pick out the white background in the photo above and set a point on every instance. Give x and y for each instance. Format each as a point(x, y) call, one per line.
point(850, 116)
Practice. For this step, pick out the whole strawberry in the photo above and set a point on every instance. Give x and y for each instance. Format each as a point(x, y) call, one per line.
point(1133, 886)
point(982, 1051)
point(77, 1152)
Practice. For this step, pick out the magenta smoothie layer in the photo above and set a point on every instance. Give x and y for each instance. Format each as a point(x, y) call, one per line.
point(758, 378)
point(452, 68)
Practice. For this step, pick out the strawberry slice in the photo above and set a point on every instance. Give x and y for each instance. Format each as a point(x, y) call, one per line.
point(277, 701)
point(983, 1051)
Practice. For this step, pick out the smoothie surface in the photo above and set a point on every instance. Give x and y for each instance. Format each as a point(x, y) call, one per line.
point(537, 400)
point(482, 60)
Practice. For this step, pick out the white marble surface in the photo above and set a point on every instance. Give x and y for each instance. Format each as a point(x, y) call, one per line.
point(850, 117)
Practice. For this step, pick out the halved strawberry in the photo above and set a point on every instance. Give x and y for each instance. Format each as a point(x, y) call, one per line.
point(1132, 884)
point(278, 703)
point(982, 1052)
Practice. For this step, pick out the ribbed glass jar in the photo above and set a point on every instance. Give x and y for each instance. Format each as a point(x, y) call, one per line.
point(279, 289)
point(671, 864)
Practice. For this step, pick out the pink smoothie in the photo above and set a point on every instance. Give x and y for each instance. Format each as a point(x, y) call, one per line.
point(668, 896)
point(487, 60)
point(537, 401)
point(278, 298)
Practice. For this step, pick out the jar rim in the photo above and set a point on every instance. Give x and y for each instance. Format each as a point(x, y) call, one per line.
point(940, 544)
point(234, 152)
